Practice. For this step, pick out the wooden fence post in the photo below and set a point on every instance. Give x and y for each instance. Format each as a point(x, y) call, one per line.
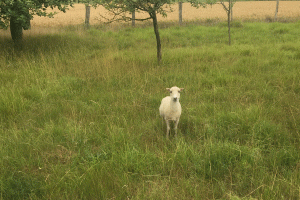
point(276, 10)
point(180, 12)
point(87, 15)
point(133, 18)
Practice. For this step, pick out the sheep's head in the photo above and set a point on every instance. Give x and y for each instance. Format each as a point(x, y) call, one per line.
point(175, 93)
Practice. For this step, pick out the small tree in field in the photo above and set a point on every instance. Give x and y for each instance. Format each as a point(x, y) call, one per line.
point(120, 8)
point(228, 9)
point(18, 13)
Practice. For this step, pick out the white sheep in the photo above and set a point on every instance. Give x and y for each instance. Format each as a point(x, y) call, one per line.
point(170, 108)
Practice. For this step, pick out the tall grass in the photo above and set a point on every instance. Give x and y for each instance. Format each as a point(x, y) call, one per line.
point(79, 114)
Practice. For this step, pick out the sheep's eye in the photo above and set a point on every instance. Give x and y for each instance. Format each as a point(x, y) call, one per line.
point(170, 92)
point(179, 91)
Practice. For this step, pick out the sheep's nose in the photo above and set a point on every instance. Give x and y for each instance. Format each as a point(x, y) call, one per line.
point(175, 99)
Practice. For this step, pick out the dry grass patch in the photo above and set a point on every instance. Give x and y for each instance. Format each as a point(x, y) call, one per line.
point(258, 10)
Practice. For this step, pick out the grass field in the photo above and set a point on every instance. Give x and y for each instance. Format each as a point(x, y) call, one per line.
point(79, 113)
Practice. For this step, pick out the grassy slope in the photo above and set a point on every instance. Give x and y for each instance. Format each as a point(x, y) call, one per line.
point(79, 114)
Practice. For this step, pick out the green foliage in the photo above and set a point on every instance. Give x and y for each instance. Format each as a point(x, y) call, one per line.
point(202, 3)
point(23, 11)
point(18, 13)
point(79, 114)
point(119, 7)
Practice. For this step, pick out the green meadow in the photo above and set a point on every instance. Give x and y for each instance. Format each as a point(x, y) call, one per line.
point(79, 113)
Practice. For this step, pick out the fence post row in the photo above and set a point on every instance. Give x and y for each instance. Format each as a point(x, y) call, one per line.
point(88, 13)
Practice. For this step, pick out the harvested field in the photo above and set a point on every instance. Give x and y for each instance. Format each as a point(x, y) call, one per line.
point(250, 10)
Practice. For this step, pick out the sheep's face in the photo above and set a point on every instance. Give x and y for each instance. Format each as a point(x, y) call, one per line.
point(175, 93)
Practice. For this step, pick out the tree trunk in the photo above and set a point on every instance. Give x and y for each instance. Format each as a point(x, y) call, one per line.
point(180, 12)
point(16, 30)
point(155, 25)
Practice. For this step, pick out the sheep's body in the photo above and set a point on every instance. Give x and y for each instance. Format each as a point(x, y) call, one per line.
point(170, 108)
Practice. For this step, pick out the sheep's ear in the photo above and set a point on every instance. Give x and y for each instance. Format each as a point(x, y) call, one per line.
point(168, 89)
point(181, 89)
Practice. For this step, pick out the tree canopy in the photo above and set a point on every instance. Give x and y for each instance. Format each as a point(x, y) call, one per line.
point(18, 13)
point(120, 8)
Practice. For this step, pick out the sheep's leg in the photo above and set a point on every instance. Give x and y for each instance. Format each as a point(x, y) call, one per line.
point(168, 128)
point(175, 126)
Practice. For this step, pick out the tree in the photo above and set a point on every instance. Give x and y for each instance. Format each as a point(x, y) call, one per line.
point(18, 13)
point(228, 10)
point(120, 9)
